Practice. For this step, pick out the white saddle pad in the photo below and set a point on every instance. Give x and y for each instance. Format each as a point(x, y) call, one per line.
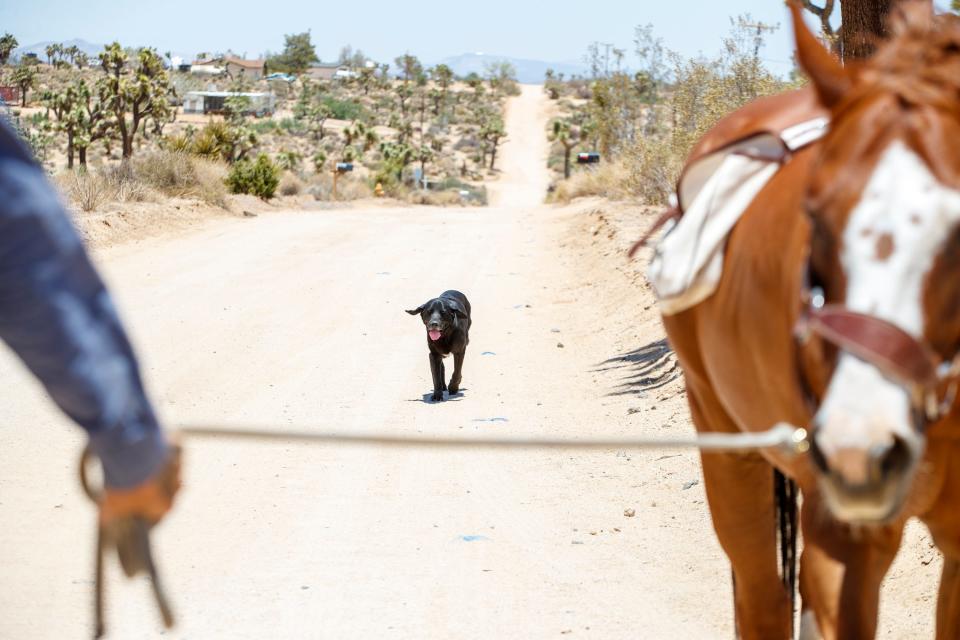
point(688, 260)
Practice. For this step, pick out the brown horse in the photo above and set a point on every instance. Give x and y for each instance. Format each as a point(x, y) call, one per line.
point(866, 220)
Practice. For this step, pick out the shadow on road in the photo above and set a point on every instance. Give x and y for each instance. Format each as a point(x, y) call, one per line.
point(428, 397)
point(652, 366)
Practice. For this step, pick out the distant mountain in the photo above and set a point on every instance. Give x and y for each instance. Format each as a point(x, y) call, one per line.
point(39, 48)
point(528, 71)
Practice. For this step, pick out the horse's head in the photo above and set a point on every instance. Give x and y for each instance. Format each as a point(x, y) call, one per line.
point(884, 203)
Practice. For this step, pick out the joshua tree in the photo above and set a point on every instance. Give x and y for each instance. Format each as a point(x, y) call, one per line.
point(367, 79)
point(567, 135)
point(436, 97)
point(404, 93)
point(25, 77)
point(410, 67)
point(396, 156)
point(319, 159)
point(134, 95)
point(289, 160)
point(370, 139)
point(443, 76)
point(53, 50)
point(91, 119)
point(354, 132)
point(424, 155)
point(493, 132)
point(7, 44)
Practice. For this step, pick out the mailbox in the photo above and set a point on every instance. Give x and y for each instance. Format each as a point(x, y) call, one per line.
point(588, 158)
point(343, 167)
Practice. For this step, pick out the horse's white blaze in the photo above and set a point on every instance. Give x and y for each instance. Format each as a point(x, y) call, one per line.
point(890, 244)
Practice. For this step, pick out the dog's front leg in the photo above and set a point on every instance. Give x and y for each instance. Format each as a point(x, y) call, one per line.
point(436, 369)
point(457, 367)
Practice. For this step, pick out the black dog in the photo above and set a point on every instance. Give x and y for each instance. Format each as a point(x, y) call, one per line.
point(447, 320)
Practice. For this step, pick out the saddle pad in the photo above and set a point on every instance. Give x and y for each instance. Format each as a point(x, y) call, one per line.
point(688, 261)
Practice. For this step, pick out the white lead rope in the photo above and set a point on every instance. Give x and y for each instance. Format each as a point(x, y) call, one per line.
point(785, 437)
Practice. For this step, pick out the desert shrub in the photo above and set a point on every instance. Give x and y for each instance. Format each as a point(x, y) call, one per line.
point(353, 190)
point(85, 190)
point(348, 188)
point(290, 185)
point(260, 177)
point(344, 109)
point(474, 195)
point(265, 126)
point(645, 123)
point(435, 198)
point(610, 180)
point(291, 125)
point(124, 185)
point(180, 175)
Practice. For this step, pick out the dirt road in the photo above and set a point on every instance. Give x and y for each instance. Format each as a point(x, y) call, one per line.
point(296, 320)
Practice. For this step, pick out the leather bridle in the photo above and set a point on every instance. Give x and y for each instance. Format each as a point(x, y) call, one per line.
point(931, 381)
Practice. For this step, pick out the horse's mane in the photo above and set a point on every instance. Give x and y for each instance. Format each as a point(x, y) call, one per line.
point(920, 62)
point(909, 90)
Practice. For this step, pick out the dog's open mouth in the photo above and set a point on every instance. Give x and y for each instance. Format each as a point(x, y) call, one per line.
point(434, 334)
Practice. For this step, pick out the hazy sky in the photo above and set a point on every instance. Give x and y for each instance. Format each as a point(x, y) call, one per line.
point(555, 31)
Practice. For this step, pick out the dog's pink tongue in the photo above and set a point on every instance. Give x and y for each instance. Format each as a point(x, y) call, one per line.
point(434, 335)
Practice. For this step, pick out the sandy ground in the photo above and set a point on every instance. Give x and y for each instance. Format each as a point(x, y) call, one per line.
point(295, 320)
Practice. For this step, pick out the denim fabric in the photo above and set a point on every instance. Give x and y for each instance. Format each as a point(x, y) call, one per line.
point(57, 316)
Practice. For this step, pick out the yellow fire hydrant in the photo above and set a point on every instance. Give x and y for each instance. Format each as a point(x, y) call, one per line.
point(378, 190)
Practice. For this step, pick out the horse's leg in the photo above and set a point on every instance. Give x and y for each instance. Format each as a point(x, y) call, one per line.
point(740, 492)
point(843, 569)
point(821, 579)
point(943, 520)
point(948, 601)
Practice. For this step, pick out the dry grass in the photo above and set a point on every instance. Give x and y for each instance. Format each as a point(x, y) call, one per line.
point(147, 178)
point(180, 175)
point(612, 180)
point(291, 185)
point(348, 188)
point(85, 190)
point(435, 198)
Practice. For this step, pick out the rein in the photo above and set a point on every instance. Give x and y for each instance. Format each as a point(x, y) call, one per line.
point(131, 537)
point(931, 381)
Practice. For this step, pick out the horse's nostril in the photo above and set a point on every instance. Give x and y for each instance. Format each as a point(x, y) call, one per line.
point(896, 458)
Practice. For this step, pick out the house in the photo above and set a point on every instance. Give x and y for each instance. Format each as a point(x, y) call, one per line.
point(206, 68)
point(238, 67)
point(327, 71)
point(261, 104)
point(231, 65)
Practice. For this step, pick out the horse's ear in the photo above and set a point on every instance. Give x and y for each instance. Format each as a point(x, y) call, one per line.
point(828, 76)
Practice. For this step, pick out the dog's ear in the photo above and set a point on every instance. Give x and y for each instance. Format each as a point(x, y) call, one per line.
point(456, 306)
point(416, 312)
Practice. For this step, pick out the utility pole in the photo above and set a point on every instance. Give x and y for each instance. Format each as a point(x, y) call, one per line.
point(761, 28)
point(606, 58)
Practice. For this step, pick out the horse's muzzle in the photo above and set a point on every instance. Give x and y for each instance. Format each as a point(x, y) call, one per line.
point(866, 485)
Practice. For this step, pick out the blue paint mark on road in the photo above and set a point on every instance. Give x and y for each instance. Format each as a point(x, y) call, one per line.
point(473, 538)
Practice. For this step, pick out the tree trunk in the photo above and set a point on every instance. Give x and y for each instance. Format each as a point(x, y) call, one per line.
point(23, 97)
point(566, 161)
point(69, 150)
point(82, 156)
point(864, 23)
point(493, 154)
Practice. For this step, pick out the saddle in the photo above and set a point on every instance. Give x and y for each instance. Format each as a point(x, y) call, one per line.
point(725, 171)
